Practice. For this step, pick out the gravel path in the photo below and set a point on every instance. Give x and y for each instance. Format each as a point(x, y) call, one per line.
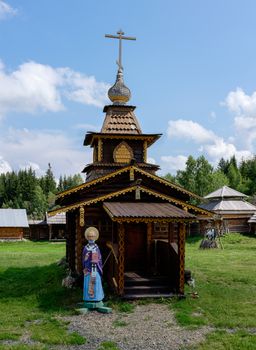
point(149, 327)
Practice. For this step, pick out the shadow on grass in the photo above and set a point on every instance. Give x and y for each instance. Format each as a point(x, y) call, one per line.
point(194, 239)
point(42, 283)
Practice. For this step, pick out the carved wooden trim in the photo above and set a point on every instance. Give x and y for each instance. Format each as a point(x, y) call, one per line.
point(123, 153)
point(81, 216)
point(78, 245)
point(126, 190)
point(132, 174)
point(137, 193)
point(120, 259)
point(100, 150)
point(136, 169)
point(181, 253)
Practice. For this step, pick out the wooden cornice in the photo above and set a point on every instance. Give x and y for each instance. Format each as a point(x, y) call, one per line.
point(91, 137)
point(156, 194)
point(121, 171)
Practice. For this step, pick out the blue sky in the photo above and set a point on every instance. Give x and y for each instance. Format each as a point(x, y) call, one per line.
point(191, 72)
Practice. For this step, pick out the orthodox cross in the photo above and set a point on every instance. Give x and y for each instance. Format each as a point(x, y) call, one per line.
point(120, 36)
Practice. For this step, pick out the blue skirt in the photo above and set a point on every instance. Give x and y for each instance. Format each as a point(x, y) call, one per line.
point(98, 290)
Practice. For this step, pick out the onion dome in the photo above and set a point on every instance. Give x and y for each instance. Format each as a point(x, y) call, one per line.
point(119, 94)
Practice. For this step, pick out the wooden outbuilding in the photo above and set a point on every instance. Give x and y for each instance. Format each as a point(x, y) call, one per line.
point(13, 222)
point(231, 210)
point(142, 218)
point(50, 228)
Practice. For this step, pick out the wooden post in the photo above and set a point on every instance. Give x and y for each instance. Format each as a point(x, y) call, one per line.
point(145, 147)
point(149, 240)
point(120, 258)
point(181, 253)
point(78, 245)
point(100, 150)
point(50, 232)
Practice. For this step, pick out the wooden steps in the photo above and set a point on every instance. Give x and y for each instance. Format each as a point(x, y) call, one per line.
point(140, 286)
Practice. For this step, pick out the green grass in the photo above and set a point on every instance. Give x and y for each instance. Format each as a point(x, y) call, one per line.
point(119, 323)
point(222, 340)
point(31, 295)
point(226, 286)
point(225, 282)
point(108, 345)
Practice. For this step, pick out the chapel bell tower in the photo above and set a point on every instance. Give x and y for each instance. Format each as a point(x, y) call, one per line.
point(120, 141)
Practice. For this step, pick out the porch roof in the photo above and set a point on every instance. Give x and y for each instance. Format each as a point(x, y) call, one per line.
point(142, 210)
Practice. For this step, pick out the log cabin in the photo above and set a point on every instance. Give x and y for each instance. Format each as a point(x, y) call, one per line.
point(142, 218)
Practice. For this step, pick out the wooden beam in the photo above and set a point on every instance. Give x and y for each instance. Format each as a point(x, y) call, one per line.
point(145, 147)
point(78, 245)
point(181, 253)
point(121, 259)
point(149, 240)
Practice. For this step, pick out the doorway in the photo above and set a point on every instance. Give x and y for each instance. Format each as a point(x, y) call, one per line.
point(136, 247)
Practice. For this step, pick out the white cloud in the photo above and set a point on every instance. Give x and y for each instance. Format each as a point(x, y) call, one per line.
point(4, 166)
point(6, 10)
point(173, 163)
point(87, 127)
point(243, 107)
point(84, 89)
point(243, 122)
point(241, 103)
point(30, 88)
point(24, 148)
point(36, 87)
point(189, 130)
point(213, 145)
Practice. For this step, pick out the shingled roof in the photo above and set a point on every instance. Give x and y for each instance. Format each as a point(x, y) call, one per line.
point(120, 119)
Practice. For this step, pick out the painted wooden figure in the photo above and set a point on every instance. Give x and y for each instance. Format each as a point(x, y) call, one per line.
point(92, 267)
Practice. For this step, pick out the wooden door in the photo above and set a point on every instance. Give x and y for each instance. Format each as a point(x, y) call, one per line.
point(135, 247)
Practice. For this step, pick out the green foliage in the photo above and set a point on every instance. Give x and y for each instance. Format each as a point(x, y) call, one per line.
point(201, 178)
point(69, 181)
point(37, 195)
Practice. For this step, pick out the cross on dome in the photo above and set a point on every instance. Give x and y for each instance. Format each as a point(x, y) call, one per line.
point(119, 94)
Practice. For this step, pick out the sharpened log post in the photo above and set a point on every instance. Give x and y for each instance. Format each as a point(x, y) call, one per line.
point(181, 252)
point(120, 258)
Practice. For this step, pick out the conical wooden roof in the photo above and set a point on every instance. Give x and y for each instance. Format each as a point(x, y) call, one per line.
point(225, 192)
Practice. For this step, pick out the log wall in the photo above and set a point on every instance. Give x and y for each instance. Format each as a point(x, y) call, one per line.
point(11, 232)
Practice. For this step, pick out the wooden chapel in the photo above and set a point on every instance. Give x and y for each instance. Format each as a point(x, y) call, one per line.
point(141, 217)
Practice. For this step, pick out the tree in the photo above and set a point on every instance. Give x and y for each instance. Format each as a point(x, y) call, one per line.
point(47, 182)
point(203, 178)
point(187, 177)
point(234, 176)
point(218, 179)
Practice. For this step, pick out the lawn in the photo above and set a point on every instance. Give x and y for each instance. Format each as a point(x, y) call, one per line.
point(226, 286)
point(31, 296)
point(32, 299)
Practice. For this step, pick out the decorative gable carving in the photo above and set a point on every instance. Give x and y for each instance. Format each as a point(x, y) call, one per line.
point(123, 153)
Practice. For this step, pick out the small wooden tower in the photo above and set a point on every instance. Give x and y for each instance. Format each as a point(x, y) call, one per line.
point(141, 217)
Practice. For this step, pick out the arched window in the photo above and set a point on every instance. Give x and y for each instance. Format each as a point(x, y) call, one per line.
point(123, 153)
